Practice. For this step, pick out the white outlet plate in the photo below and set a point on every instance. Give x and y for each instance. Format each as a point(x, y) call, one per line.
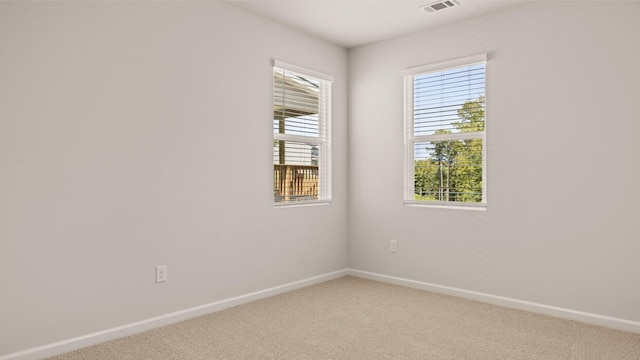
point(393, 246)
point(161, 273)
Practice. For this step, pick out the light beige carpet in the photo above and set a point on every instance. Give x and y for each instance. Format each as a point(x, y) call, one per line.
point(352, 318)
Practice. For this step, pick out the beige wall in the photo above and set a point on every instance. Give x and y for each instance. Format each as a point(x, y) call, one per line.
point(562, 153)
point(139, 134)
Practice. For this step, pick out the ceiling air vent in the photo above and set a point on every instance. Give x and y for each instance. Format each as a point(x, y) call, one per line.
point(440, 5)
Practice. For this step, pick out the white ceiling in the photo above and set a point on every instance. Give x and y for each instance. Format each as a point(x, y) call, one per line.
point(351, 23)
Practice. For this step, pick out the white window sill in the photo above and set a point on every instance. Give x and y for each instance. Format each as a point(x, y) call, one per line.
point(301, 203)
point(448, 206)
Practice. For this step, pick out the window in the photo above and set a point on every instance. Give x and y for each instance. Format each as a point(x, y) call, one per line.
point(445, 142)
point(301, 135)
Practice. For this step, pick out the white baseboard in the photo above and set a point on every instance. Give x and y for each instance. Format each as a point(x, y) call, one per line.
point(589, 318)
point(79, 342)
point(64, 346)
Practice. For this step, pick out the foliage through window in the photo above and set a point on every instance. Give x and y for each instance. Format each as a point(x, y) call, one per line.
point(301, 135)
point(445, 133)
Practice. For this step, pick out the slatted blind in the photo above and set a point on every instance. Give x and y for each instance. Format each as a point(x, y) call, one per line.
point(296, 103)
point(438, 96)
point(445, 133)
point(301, 133)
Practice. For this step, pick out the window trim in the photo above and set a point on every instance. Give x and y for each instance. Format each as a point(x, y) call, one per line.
point(298, 69)
point(323, 140)
point(410, 139)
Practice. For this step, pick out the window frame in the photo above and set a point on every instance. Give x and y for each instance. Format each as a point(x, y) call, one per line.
point(410, 139)
point(323, 140)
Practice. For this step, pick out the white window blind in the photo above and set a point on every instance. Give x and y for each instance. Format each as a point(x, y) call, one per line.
point(445, 161)
point(301, 135)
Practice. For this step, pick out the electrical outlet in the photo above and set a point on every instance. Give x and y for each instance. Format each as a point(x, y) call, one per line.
point(161, 273)
point(393, 246)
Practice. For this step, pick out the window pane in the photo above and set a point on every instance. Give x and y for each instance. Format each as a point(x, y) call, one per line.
point(295, 104)
point(439, 100)
point(448, 170)
point(295, 171)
